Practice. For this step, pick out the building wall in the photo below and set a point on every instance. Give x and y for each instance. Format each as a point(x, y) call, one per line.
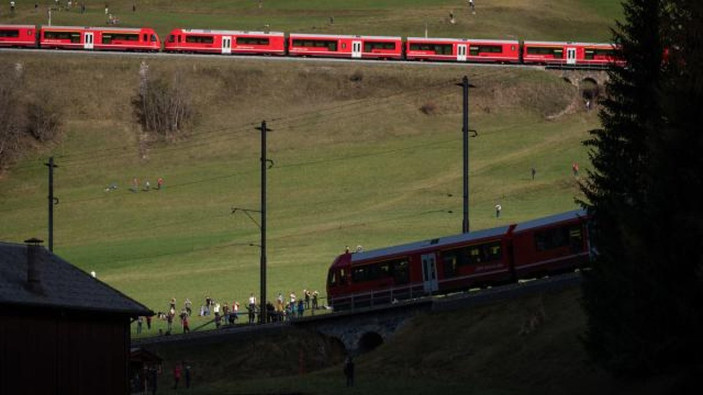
point(53, 352)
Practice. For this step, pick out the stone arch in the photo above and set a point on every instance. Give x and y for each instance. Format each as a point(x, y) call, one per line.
point(589, 89)
point(369, 341)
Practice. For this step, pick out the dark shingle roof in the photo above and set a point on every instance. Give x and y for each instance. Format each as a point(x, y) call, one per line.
point(63, 286)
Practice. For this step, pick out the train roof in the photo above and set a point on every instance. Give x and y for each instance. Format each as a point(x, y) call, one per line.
point(233, 32)
point(466, 40)
point(311, 35)
point(539, 222)
point(528, 42)
point(3, 26)
point(98, 28)
point(431, 243)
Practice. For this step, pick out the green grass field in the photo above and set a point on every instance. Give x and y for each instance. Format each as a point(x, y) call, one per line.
point(356, 161)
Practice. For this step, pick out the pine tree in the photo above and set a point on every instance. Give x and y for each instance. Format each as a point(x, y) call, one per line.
point(644, 294)
point(618, 293)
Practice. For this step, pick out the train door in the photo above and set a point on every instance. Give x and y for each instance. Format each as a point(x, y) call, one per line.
point(88, 38)
point(570, 55)
point(461, 52)
point(226, 44)
point(429, 273)
point(356, 49)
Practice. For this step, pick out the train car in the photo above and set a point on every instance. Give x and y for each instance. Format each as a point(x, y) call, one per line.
point(500, 255)
point(418, 269)
point(356, 47)
point(18, 36)
point(99, 38)
point(570, 54)
point(462, 50)
point(225, 42)
point(554, 244)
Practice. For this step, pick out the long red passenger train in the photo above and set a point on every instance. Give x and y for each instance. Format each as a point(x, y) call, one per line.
point(549, 245)
point(235, 42)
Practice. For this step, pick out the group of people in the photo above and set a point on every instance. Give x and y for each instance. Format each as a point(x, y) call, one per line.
point(147, 185)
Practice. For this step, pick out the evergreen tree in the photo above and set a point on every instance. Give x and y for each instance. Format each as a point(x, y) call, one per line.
point(618, 289)
point(643, 294)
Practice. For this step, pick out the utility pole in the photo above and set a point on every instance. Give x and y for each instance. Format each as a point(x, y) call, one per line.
point(466, 131)
point(52, 201)
point(264, 164)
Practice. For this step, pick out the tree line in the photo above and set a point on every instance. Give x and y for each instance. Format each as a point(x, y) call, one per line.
point(644, 293)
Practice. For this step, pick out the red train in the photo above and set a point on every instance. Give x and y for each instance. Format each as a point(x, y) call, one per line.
point(225, 42)
point(99, 38)
point(232, 42)
point(18, 36)
point(357, 47)
point(553, 244)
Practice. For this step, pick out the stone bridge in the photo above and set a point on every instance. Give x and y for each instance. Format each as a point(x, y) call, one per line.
point(363, 330)
point(583, 79)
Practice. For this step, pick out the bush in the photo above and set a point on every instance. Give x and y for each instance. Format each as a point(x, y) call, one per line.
point(428, 108)
point(163, 107)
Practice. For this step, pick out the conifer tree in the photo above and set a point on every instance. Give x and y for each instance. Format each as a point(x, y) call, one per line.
point(618, 289)
point(643, 294)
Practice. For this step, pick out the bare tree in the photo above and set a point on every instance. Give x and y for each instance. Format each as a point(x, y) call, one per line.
point(162, 106)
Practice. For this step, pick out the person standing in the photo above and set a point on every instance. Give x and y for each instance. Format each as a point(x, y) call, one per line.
point(188, 306)
point(148, 322)
point(534, 172)
point(140, 320)
point(349, 371)
point(252, 308)
point(176, 375)
point(575, 169)
point(499, 208)
point(12, 6)
point(187, 375)
point(184, 321)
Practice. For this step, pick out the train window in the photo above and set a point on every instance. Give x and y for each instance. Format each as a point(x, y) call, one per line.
point(75, 37)
point(153, 38)
point(342, 277)
point(401, 272)
point(588, 54)
point(110, 37)
point(329, 44)
point(550, 239)
point(370, 46)
point(332, 278)
point(482, 253)
point(475, 50)
point(10, 33)
point(450, 260)
point(576, 239)
point(146, 37)
point(440, 49)
point(171, 38)
point(200, 39)
point(252, 41)
point(371, 272)
point(556, 52)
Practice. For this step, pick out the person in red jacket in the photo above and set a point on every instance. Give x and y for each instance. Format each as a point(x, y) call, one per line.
point(176, 375)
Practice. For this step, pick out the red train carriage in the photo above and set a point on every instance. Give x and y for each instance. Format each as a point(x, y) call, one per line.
point(418, 269)
point(493, 256)
point(99, 38)
point(553, 244)
point(570, 54)
point(225, 42)
point(462, 50)
point(364, 47)
point(18, 36)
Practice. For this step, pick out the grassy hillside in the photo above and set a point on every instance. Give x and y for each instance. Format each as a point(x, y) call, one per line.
point(573, 20)
point(487, 350)
point(357, 161)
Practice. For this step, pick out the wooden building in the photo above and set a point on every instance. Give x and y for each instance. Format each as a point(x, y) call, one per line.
point(62, 331)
